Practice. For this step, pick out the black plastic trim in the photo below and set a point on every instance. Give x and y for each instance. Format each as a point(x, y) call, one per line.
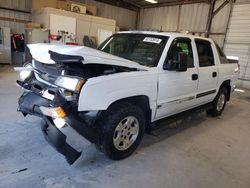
point(65, 59)
point(58, 140)
point(29, 103)
point(206, 93)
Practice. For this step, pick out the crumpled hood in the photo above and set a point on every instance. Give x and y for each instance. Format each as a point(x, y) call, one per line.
point(40, 52)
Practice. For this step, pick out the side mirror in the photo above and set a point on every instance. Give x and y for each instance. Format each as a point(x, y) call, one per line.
point(181, 66)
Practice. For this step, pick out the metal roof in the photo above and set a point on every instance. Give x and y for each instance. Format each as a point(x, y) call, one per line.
point(138, 4)
point(145, 4)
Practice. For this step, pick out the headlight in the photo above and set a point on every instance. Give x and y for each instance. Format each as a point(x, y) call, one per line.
point(24, 74)
point(70, 83)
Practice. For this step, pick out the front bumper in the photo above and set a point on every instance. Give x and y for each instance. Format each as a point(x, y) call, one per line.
point(76, 126)
point(58, 140)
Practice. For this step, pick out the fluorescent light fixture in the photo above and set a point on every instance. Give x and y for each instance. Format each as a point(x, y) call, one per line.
point(152, 1)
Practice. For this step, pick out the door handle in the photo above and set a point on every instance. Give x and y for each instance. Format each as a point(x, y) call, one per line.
point(214, 74)
point(194, 76)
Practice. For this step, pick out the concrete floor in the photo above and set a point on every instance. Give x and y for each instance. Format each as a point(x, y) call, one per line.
point(199, 151)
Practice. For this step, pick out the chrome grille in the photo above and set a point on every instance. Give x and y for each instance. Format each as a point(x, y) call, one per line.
point(46, 72)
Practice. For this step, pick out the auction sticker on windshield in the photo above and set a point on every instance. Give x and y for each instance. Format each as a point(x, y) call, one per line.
point(152, 40)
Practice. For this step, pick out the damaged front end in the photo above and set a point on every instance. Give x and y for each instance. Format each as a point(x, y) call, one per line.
point(51, 92)
point(52, 83)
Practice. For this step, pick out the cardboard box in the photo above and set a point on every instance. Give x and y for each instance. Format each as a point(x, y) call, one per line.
point(32, 25)
point(64, 5)
point(91, 10)
point(78, 8)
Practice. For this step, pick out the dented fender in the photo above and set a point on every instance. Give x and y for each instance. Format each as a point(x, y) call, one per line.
point(100, 92)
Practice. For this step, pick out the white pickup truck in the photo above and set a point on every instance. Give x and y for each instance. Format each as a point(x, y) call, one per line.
point(111, 95)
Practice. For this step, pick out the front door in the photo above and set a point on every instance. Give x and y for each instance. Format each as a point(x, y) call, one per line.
point(177, 90)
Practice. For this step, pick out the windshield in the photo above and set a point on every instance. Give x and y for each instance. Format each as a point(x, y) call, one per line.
point(141, 48)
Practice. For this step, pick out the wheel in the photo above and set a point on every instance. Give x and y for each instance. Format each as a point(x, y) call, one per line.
point(219, 103)
point(123, 126)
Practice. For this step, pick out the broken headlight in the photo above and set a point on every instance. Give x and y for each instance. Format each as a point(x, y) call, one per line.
point(25, 72)
point(70, 83)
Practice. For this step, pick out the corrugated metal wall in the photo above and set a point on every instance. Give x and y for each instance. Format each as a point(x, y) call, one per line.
point(171, 18)
point(15, 26)
point(124, 18)
point(165, 18)
point(238, 38)
point(220, 22)
point(16, 4)
point(191, 17)
point(24, 5)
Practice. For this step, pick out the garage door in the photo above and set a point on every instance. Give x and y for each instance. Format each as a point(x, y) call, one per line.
point(238, 38)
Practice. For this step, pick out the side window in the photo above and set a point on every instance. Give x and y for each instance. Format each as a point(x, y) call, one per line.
point(181, 45)
point(205, 53)
point(223, 58)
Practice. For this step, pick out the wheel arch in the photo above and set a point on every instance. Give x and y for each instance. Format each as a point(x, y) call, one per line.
point(227, 84)
point(142, 101)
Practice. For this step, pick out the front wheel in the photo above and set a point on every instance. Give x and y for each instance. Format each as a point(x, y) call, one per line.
point(219, 103)
point(123, 126)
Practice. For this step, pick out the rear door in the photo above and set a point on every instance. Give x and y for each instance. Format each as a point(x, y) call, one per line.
point(208, 73)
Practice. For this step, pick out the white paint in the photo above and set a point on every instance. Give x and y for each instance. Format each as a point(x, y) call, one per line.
point(238, 38)
point(40, 52)
point(171, 91)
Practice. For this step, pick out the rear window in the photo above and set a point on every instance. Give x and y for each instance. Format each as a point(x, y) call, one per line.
point(205, 53)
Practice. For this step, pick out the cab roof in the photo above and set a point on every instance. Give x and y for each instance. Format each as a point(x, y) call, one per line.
point(168, 34)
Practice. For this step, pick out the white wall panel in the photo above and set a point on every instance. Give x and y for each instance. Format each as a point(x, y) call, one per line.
point(124, 18)
point(165, 18)
point(238, 38)
point(194, 17)
point(190, 17)
point(219, 24)
point(219, 39)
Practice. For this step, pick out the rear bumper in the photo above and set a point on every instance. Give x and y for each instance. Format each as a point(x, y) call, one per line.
point(64, 139)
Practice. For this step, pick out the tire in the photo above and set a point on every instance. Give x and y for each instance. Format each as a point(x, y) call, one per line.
point(219, 103)
point(122, 129)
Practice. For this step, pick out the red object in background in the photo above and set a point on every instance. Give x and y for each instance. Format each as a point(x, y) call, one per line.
point(55, 37)
point(72, 43)
point(17, 42)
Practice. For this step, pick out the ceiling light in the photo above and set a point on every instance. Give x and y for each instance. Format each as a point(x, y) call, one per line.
point(152, 1)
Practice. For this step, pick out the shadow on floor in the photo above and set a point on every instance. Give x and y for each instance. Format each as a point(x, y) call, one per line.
point(163, 129)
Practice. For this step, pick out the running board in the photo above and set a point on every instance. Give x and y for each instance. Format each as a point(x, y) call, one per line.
point(174, 118)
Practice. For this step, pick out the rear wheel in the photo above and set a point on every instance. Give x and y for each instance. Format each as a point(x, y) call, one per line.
point(123, 127)
point(219, 103)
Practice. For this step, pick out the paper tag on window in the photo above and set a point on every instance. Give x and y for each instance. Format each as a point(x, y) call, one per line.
point(152, 40)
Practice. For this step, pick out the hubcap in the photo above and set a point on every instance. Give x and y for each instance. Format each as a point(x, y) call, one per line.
point(221, 102)
point(126, 133)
